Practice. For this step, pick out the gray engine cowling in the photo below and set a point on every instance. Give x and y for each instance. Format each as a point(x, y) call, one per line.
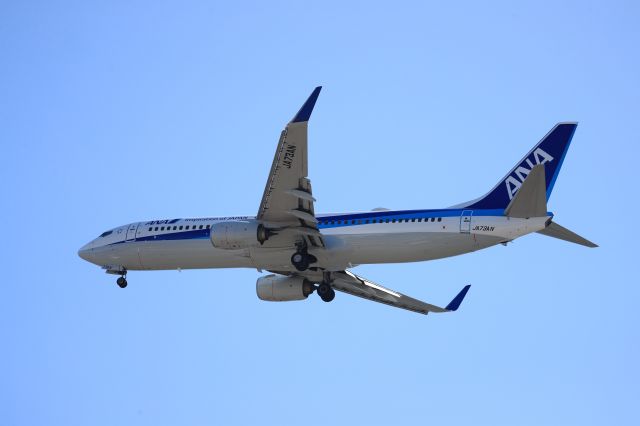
point(273, 288)
point(237, 234)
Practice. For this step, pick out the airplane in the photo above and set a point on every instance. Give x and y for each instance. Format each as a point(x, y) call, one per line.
point(306, 252)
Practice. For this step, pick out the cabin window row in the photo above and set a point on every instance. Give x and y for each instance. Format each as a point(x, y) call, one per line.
point(179, 228)
point(367, 221)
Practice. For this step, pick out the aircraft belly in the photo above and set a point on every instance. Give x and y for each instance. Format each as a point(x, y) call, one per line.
point(188, 254)
point(411, 247)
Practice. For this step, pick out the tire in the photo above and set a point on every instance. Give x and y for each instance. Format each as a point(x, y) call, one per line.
point(328, 297)
point(122, 282)
point(325, 292)
point(300, 261)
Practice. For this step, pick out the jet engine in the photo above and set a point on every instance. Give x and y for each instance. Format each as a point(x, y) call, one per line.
point(234, 235)
point(273, 288)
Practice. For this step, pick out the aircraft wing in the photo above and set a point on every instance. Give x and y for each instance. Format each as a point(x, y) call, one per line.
point(350, 283)
point(287, 201)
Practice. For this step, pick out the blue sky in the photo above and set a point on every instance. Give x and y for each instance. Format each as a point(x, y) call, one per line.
point(114, 112)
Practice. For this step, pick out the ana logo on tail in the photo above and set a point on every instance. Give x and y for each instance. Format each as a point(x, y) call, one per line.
point(515, 179)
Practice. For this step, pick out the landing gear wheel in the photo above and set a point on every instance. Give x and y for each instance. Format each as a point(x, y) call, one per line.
point(326, 293)
point(300, 260)
point(122, 282)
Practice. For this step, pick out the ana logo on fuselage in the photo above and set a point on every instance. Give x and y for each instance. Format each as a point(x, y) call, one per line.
point(515, 179)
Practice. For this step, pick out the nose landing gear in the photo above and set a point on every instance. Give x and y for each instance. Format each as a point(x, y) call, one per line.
point(118, 270)
point(122, 281)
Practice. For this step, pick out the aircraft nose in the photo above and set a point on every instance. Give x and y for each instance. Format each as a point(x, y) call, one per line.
point(86, 253)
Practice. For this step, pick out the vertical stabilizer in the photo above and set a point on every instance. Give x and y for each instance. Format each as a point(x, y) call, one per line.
point(550, 152)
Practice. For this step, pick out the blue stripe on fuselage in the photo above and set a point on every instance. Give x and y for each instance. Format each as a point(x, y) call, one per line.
point(198, 234)
point(340, 220)
point(396, 215)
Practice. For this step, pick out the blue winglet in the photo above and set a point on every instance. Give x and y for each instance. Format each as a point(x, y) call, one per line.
point(455, 303)
point(305, 112)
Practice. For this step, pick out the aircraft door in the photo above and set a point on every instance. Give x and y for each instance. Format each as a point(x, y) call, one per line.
point(131, 232)
point(465, 221)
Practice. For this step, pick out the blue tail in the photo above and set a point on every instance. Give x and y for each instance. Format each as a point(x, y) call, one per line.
point(550, 151)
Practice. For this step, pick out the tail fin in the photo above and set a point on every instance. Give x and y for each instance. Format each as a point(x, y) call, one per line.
point(550, 151)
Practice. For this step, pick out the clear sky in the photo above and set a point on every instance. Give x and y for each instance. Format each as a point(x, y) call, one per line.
point(114, 112)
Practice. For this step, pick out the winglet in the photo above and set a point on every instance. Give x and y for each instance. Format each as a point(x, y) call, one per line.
point(305, 112)
point(455, 303)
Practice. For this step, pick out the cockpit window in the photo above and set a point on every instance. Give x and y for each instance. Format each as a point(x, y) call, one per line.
point(104, 234)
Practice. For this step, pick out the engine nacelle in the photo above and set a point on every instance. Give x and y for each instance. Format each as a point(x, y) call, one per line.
point(237, 234)
point(283, 289)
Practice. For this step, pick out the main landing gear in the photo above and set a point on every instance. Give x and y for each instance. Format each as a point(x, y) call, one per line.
point(326, 293)
point(324, 289)
point(301, 259)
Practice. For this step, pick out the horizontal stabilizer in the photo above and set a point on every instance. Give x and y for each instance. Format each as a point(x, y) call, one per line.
point(531, 198)
point(556, 231)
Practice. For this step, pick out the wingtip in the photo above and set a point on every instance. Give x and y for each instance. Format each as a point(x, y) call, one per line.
point(455, 303)
point(307, 108)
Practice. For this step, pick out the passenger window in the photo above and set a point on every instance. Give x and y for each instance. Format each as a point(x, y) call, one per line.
point(366, 221)
point(413, 220)
point(150, 229)
point(162, 229)
point(180, 228)
point(200, 226)
point(156, 228)
point(433, 219)
point(439, 219)
point(208, 226)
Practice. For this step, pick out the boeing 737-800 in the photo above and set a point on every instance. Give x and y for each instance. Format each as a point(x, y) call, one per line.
point(307, 252)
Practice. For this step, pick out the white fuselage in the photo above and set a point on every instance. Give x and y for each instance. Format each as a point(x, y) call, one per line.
point(350, 239)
